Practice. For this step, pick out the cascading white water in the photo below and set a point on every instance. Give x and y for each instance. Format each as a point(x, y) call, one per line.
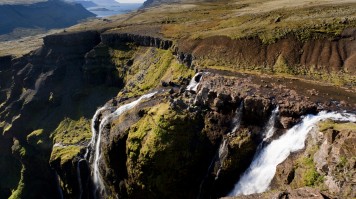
point(193, 84)
point(259, 175)
point(223, 150)
point(97, 179)
point(270, 129)
point(221, 156)
point(236, 121)
point(93, 140)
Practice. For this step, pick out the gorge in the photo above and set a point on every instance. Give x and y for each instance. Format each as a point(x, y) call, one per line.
point(190, 105)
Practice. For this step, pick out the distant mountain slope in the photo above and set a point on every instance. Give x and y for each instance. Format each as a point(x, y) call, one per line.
point(150, 3)
point(92, 3)
point(106, 2)
point(50, 14)
point(87, 4)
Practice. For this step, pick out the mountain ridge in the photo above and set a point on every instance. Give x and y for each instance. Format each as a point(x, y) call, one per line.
point(48, 15)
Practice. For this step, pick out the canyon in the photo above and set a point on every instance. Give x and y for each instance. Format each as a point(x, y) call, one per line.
point(137, 106)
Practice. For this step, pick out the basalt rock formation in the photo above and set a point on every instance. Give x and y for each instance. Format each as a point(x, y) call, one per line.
point(183, 142)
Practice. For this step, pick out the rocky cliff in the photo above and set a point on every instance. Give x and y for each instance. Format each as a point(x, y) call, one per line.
point(74, 124)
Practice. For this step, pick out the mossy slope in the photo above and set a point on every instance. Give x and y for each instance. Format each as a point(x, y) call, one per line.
point(164, 150)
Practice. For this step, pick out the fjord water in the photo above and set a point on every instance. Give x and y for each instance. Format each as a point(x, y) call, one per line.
point(259, 175)
point(110, 10)
point(96, 139)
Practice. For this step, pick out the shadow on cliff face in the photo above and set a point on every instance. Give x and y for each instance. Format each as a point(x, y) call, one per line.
point(46, 87)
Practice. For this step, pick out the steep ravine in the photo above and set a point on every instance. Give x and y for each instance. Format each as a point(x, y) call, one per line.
point(162, 147)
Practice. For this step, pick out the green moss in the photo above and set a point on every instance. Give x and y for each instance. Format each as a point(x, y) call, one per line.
point(151, 67)
point(310, 176)
point(68, 136)
point(281, 65)
point(17, 149)
point(163, 141)
point(330, 124)
point(343, 162)
point(18, 193)
point(71, 131)
point(305, 171)
point(65, 153)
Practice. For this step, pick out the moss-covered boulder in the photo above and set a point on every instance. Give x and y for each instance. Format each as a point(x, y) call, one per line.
point(166, 154)
point(70, 140)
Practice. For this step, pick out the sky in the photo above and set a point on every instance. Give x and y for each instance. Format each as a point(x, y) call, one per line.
point(130, 1)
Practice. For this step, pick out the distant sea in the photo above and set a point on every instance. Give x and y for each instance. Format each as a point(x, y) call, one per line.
point(123, 8)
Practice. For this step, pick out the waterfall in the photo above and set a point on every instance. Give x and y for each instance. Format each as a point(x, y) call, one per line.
point(236, 121)
point(97, 178)
point(59, 188)
point(221, 154)
point(259, 175)
point(270, 129)
point(93, 131)
point(223, 150)
point(194, 83)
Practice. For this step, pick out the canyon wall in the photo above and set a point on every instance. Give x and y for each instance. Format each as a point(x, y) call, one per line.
point(167, 145)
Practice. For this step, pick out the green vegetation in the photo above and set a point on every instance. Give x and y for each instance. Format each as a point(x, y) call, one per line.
point(39, 138)
point(330, 124)
point(310, 176)
point(164, 137)
point(71, 131)
point(18, 193)
point(245, 20)
point(68, 136)
point(343, 162)
point(65, 153)
point(305, 170)
point(17, 149)
point(151, 67)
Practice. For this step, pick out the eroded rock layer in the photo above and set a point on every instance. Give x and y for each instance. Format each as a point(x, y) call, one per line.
point(167, 146)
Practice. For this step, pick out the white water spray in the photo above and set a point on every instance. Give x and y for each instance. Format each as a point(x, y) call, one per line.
point(223, 150)
point(270, 129)
point(93, 131)
point(236, 121)
point(193, 84)
point(259, 175)
point(97, 178)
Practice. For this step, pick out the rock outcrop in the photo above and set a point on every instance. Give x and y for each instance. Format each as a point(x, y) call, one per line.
point(112, 39)
point(326, 164)
point(41, 89)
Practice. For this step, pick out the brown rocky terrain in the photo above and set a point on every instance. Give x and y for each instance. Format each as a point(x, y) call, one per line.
point(168, 146)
